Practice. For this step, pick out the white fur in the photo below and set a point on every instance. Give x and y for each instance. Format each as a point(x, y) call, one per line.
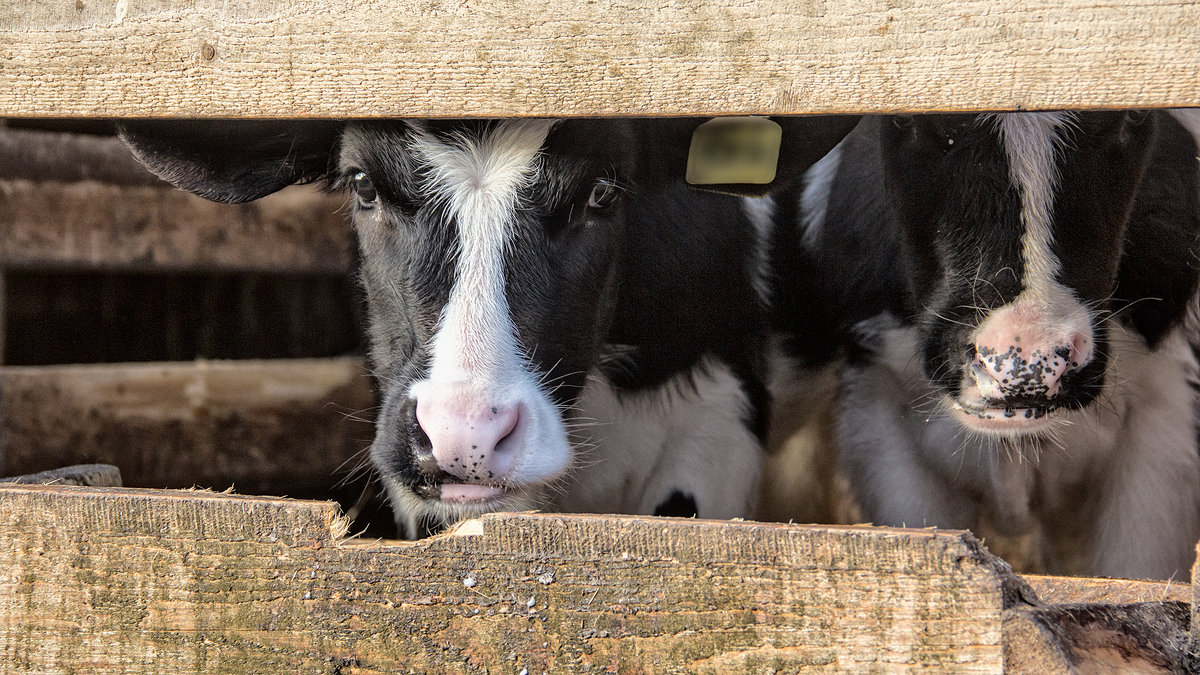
point(1031, 143)
point(814, 200)
point(1046, 312)
point(1124, 471)
point(761, 213)
point(475, 348)
point(638, 448)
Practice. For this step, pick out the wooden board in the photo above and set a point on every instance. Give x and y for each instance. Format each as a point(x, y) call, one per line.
point(262, 426)
point(1068, 590)
point(311, 58)
point(45, 155)
point(94, 225)
point(111, 580)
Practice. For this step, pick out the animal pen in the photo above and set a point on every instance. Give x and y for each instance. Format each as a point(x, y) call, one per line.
point(100, 579)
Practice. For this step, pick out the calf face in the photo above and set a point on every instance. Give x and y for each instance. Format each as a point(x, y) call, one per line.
point(493, 259)
point(490, 267)
point(1013, 226)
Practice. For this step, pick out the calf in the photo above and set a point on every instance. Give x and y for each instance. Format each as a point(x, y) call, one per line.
point(1026, 288)
point(556, 321)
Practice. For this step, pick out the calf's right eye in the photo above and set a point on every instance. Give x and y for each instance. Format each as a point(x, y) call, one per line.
point(364, 189)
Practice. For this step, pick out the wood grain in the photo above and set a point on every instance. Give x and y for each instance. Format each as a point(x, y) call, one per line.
point(95, 225)
point(433, 58)
point(110, 580)
point(257, 425)
point(1075, 590)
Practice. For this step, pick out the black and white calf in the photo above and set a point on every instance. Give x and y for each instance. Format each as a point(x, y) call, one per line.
point(1033, 280)
point(556, 321)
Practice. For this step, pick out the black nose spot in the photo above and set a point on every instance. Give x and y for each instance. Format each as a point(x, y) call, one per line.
point(678, 505)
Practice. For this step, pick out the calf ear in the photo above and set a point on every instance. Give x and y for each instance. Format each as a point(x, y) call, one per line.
point(233, 161)
point(804, 141)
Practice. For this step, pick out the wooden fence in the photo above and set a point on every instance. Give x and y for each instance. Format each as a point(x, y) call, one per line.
point(106, 580)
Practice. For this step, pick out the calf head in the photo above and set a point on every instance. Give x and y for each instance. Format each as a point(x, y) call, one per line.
point(491, 256)
point(1015, 228)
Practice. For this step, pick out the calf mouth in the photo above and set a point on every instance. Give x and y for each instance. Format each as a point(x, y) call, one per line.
point(1005, 417)
point(473, 494)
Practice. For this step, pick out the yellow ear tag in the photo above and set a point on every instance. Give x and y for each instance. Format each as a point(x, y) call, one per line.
point(733, 150)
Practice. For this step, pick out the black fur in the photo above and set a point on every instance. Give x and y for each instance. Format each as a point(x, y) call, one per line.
point(663, 272)
point(929, 231)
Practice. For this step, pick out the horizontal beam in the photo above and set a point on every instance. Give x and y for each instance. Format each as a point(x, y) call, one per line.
point(312, 58)
point(196, 582)
point(94, 225)
point(45, 155)
point(261, 426)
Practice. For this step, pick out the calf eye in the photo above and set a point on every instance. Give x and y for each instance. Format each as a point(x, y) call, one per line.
point(604, 193)
point(364, 188)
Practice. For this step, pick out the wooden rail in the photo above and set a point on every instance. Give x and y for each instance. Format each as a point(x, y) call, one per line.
point(94, 225)
point(311, 58)
point(256, 425)
point(118, 580)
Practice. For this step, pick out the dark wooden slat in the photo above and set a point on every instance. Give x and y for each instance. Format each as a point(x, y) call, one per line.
point(286, 425)
point(92, 225)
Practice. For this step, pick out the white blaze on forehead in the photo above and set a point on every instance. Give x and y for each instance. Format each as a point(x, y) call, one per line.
point(479, 178)
point(1046, 315)
point(1031, 142)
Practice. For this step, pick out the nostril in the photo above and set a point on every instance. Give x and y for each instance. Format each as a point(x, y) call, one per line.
point(506, 419)
point(418, 440)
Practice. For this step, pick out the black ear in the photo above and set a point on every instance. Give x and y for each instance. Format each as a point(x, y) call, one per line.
point(234, 161)
point(1160, 264)
point(805, 141)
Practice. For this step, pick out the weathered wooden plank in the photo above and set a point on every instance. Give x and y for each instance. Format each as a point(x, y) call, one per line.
point(90, 475)
point(258, 425)
point(43, 155)
point(311, 58)
point(101, 226)
point(112, 580)
point(1091, 590)
point(1196, 603)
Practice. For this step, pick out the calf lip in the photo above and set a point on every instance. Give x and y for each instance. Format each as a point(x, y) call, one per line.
point(982, 416)
point(471, 492)
point(453, 492)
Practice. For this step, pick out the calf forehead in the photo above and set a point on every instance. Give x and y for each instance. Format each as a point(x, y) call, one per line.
point(995, 176)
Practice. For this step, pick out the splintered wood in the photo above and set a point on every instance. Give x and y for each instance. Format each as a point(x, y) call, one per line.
point(310, 58)
point(114, 579)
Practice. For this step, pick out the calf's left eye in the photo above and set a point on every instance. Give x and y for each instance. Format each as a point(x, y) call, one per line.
point(604, 193)
point(364, 188)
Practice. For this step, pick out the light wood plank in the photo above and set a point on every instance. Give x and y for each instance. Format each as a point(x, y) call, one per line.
point(94, 225)
point(256, 425)
point(1074, 590)
point(1195, 645)
point(311, 58)
point(110, 580)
